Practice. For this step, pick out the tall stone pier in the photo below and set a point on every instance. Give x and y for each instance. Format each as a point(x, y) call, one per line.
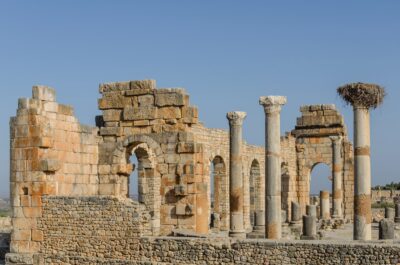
point(272, 107)
point(235, 174)
point(362, 97)
point(337, 168)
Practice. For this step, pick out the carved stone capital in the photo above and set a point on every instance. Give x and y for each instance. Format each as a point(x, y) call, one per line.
point(272, 103)
point(336, 139)
point(236, 117)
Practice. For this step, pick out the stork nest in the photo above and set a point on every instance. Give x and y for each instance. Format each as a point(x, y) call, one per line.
point(362, 94)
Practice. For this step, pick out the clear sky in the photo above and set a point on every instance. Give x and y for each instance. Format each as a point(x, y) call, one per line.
point(225, 53)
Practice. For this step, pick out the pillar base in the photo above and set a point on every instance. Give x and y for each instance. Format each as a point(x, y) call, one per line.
point(337, 217)
point(303, 237)
point(259, 228)
point(237, 234)
point(293, 223)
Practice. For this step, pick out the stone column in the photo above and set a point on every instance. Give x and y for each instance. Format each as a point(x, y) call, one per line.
point(309, 228)
point(389, 213)
point(337, 169)
point(272, 107)
point(235, 174)
point(386, 229)
point(259, 221)
point(324, 205)
point(311, 210)
point(295, 213)
point(362, 174)
point(362, 97)
point(397, 213)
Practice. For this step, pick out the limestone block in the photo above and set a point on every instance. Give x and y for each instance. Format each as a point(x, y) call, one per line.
point(139, 113)
point(28, 103)
point(117, 131)
point(49, 165)
point(189, 148)
point(166, 98)
point(112, 115)
point(184, 209)
point(44, 93)
point(32, 212)
point(65, 110)
point(37, 235)
point(114, 86)
point(113, 101)
point(190, 114)
point(141, 123)
point(138, 92)
point(146, 100)
point(143, 84)
point(50, 106)
point(169, 113)
point(180, 190)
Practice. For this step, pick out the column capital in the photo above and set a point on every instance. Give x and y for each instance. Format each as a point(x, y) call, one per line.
point(336, 139)
point(272, 103)
point(236, 117)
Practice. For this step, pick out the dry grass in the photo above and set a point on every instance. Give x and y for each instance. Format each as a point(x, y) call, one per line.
point(362, 94)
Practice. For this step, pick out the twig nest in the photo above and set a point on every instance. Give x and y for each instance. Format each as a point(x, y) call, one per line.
point(362, 94)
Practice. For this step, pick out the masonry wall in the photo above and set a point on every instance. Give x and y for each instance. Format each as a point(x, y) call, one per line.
point(227, 251)
point(91, 226)
point(215, 143)
point(51, 154)
point(314, 146)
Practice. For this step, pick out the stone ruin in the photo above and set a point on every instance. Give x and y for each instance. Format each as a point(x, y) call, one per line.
point(70, 182)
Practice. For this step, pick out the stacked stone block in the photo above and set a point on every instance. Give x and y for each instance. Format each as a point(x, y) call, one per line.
point(51, 153)
point(313, 146)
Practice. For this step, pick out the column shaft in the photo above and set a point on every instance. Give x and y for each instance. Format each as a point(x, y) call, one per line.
point(272, 107)
point(337, 183)
point(235, 174)
point(362, 175)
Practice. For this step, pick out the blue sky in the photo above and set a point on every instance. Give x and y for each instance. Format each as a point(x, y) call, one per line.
point(225, 53)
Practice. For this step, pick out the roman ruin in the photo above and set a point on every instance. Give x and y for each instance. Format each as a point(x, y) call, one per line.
point(201, 191)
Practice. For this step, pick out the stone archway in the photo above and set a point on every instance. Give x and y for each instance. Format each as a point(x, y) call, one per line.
point(255, 191)
point(148, 153)
point(219, 200)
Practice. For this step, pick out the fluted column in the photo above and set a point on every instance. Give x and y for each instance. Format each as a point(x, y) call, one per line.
point(337, 183)
point(272, 107)
point(235, 173)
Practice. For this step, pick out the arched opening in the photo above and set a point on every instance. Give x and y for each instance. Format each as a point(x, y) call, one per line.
point(142, 172)
point(320, 179)
point(255, 184)
point(133, 189)
point(218, 194)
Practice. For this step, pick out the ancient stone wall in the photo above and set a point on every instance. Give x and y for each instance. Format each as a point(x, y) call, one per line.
point(93, 224)
point(313, 133)
point(228, 251)
point(153, 124)
point(216, 145)
point(56, 162)
point(51, 154)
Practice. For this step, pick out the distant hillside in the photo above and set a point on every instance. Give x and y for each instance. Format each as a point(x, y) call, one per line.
point(391, 186)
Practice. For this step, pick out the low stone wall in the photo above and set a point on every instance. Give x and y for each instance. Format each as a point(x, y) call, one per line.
point(228, 251)
point(88, 226)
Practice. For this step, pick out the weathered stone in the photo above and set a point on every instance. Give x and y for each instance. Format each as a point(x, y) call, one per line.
point(114, 100)
point(386, 229)
point(44, 93)
point(167, 98)
point(140, 113)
